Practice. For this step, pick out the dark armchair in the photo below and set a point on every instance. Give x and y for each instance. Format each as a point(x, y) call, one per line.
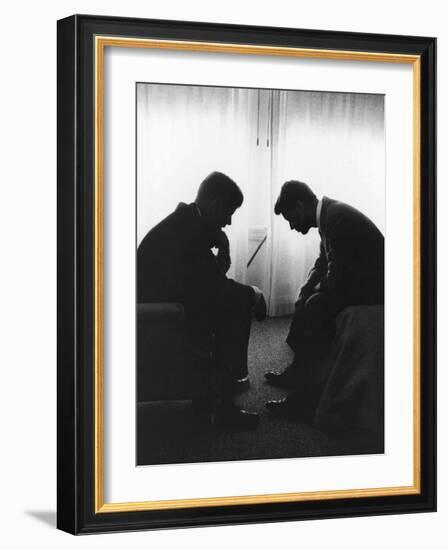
point(169, 366)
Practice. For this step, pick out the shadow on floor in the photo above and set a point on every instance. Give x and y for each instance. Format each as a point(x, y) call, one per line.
point(48, 517)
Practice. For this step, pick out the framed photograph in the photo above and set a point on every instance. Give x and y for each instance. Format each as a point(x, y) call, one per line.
point(246, 274)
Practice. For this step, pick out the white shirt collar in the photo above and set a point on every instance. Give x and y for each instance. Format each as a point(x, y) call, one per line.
point(318, 211)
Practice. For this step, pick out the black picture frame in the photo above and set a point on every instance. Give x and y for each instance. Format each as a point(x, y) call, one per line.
point(77, 509)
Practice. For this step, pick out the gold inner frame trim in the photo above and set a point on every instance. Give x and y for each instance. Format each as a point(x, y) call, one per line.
point(101, 42)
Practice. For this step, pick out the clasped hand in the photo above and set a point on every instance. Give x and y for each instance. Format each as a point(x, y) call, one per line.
point(223, 256)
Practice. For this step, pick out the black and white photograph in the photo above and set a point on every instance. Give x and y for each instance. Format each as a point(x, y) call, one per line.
point(260, 239)
point(246, 275)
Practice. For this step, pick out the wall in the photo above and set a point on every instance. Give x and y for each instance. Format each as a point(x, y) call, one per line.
point(28, 275)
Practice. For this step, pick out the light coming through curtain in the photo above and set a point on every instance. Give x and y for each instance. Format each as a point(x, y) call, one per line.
point(183, 134)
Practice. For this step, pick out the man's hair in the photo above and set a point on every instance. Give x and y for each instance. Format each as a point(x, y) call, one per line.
point(219, 186)
point(292, 192)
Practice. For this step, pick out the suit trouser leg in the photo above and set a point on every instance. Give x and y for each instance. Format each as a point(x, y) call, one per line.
point(313, 321)
point(310, 336)
point(232, 331)
point(225, 323)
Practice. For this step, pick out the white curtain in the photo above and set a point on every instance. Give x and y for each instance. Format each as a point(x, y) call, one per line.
point(183, 134)
point(334, 142)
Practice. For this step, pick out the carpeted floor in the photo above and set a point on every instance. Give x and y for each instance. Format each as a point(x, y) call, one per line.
point(171, 432)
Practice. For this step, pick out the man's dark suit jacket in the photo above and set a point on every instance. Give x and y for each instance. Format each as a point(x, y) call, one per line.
point(175, 262)
point(351, 260)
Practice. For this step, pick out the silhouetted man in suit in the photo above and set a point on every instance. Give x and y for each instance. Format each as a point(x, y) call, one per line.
point(175, 263)
point(349, 271)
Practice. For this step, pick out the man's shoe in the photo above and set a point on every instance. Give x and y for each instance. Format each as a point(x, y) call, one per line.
point(284, 379)
point(232, 418)
point(289, 408)
point(260, 309)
